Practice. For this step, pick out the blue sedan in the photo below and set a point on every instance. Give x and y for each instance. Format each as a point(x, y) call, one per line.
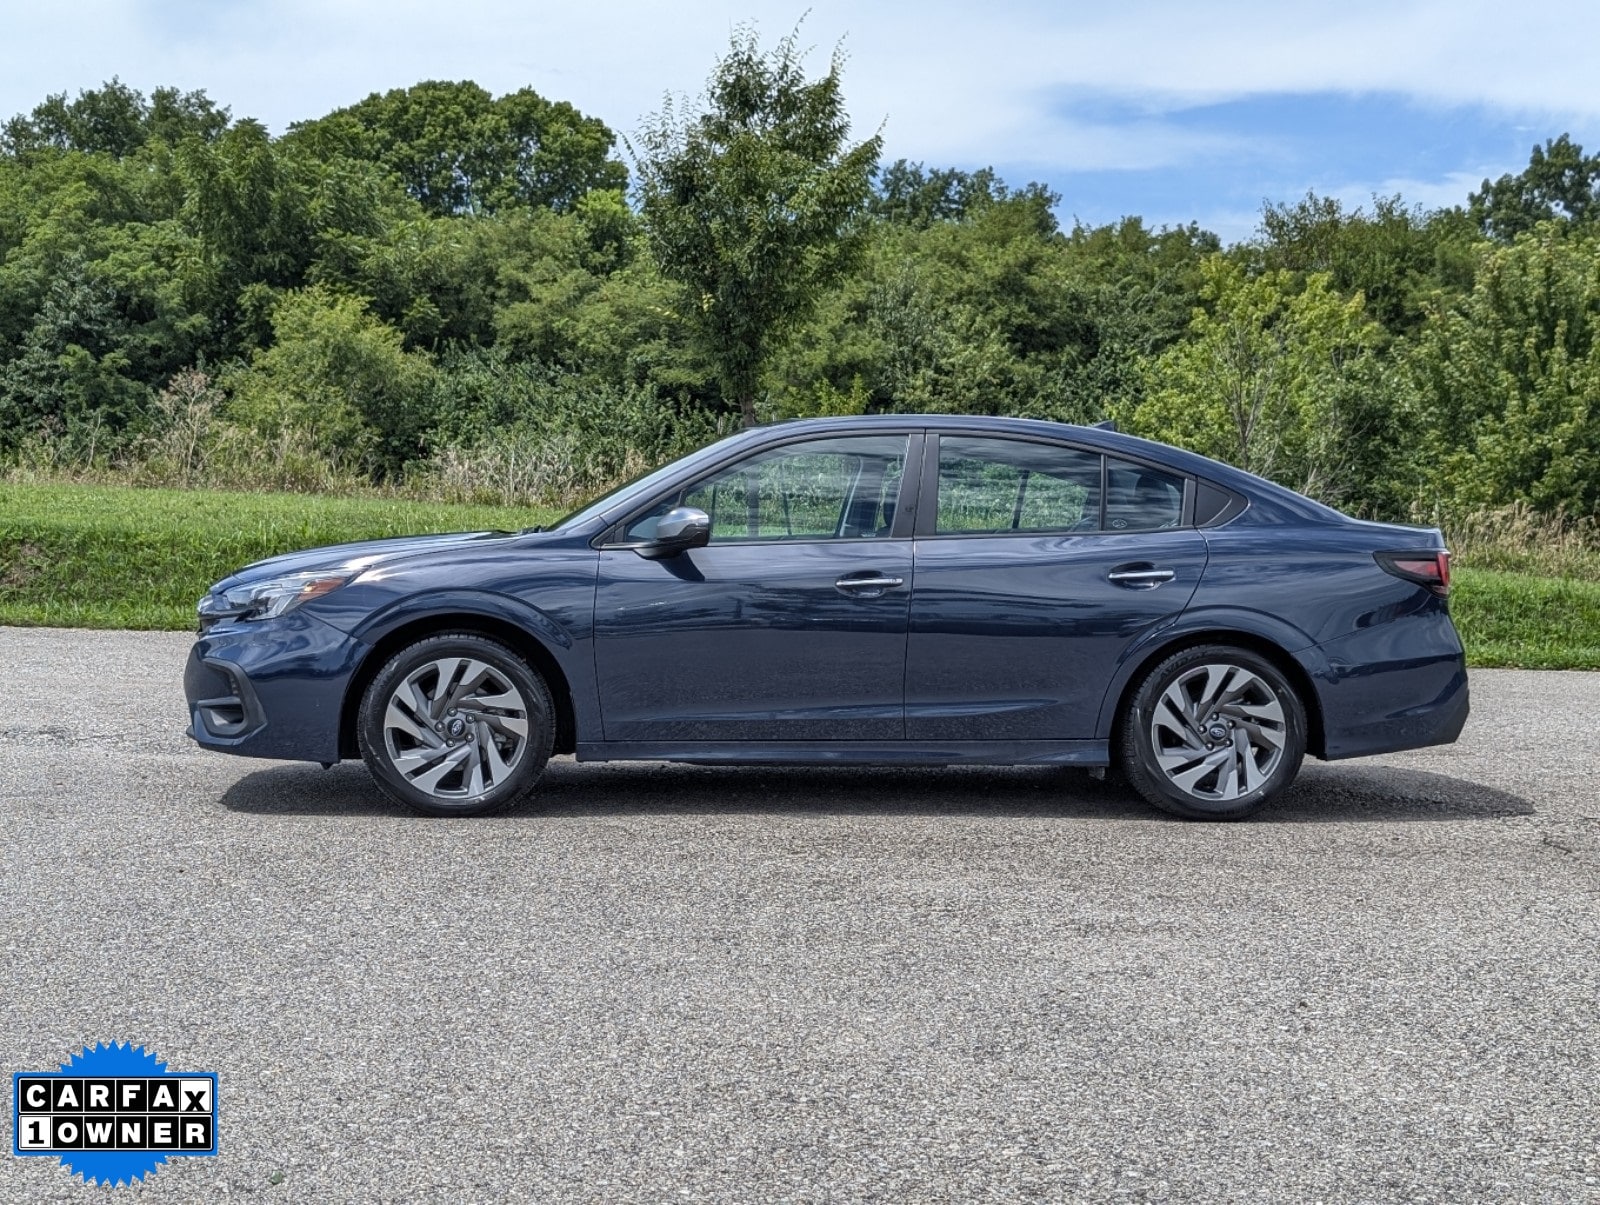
point(889, 590)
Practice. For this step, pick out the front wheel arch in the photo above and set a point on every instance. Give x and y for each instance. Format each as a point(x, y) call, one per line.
point(513, 637)
point(1288, 666)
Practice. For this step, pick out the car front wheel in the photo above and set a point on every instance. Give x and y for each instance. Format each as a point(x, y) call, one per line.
point(1212, 733)
point(456, 725)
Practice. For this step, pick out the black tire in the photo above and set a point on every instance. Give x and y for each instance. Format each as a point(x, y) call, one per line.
point(1225, 761)
point(476, 736)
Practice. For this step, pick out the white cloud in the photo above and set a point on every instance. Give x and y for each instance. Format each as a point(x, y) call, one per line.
point(958, 83)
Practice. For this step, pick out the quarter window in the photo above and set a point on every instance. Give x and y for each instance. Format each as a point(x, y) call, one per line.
point(1139, 498)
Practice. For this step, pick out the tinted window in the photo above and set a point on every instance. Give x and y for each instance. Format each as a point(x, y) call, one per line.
point(1140, 498)
point(1006, 485)
point(823, 489)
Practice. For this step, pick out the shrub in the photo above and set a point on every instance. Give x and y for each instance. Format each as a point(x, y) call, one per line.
point(1518, 539)
point(339, 376)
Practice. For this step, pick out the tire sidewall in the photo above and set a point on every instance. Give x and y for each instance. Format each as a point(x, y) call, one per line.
point(374, 705)
point(1145, 772)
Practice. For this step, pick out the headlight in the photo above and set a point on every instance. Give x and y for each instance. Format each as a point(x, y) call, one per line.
point(271, 598)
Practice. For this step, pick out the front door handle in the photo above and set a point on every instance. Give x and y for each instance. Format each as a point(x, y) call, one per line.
point(1143, 576)
point(868, 581)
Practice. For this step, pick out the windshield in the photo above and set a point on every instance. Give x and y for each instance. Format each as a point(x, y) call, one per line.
point(642, 484)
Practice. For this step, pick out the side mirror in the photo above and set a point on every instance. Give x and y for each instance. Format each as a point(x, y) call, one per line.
point(679, 530)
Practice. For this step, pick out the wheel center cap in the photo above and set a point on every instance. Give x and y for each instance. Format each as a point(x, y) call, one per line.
point(1217, 732)
point(456, 727)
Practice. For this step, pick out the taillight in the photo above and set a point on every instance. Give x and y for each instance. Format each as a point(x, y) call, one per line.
point(1430, 569)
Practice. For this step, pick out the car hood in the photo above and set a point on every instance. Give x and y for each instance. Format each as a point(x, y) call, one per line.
point(354, 558)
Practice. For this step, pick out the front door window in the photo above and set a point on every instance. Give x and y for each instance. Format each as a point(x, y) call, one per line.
point(822, 489)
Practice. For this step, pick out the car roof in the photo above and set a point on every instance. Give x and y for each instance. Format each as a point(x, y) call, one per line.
point(1104, 439)
point(1096, 437)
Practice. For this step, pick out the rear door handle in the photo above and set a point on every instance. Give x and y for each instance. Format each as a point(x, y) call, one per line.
point(869, 581)
point(1140, 577)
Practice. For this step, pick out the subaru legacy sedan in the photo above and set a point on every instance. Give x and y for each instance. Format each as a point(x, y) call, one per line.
point(891, 590)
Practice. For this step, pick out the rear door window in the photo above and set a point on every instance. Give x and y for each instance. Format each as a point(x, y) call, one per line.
point(1001, 486)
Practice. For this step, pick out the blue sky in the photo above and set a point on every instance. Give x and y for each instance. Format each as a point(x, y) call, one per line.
point(1176, 110)
point(1276, 147)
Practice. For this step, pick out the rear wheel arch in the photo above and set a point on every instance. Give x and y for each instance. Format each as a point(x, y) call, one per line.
point(1287, 665)
point(517, 639)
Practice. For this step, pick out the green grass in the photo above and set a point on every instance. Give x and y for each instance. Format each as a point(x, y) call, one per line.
point(1522, 620)
point(117, 557)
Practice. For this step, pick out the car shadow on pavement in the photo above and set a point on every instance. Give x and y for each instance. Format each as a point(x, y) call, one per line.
point(1323, 794)
point(1354, 792)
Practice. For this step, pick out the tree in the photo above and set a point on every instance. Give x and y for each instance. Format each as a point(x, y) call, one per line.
point(1509, 377)
point(1273, 378)
point(115, 120)
point(996, 313)
point(755, 206)
point(1394, 256)
point(1139, 289)
point(913, 195)
point(69, 377)
point(1560, 183)
point(459, 150)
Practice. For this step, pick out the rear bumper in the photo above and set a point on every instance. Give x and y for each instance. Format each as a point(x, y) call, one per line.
point(1376, 700)
point(271, 689)
point(1436, 721)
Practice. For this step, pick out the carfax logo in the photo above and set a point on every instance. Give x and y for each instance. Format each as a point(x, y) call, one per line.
point(113, 1114)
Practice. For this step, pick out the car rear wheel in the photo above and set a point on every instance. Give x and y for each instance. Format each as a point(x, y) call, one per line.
point(456, 725)
point(1212, 733)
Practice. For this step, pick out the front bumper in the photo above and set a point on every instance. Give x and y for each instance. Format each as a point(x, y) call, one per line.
point(271, 688)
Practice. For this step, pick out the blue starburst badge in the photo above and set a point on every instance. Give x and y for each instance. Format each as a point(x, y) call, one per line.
point(113, 1114)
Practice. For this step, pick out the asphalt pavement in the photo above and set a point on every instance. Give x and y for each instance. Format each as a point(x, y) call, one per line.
point(673, 984)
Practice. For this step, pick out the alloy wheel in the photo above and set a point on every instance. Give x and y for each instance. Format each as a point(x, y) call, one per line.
point(454, 728)
point(1218, 732)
